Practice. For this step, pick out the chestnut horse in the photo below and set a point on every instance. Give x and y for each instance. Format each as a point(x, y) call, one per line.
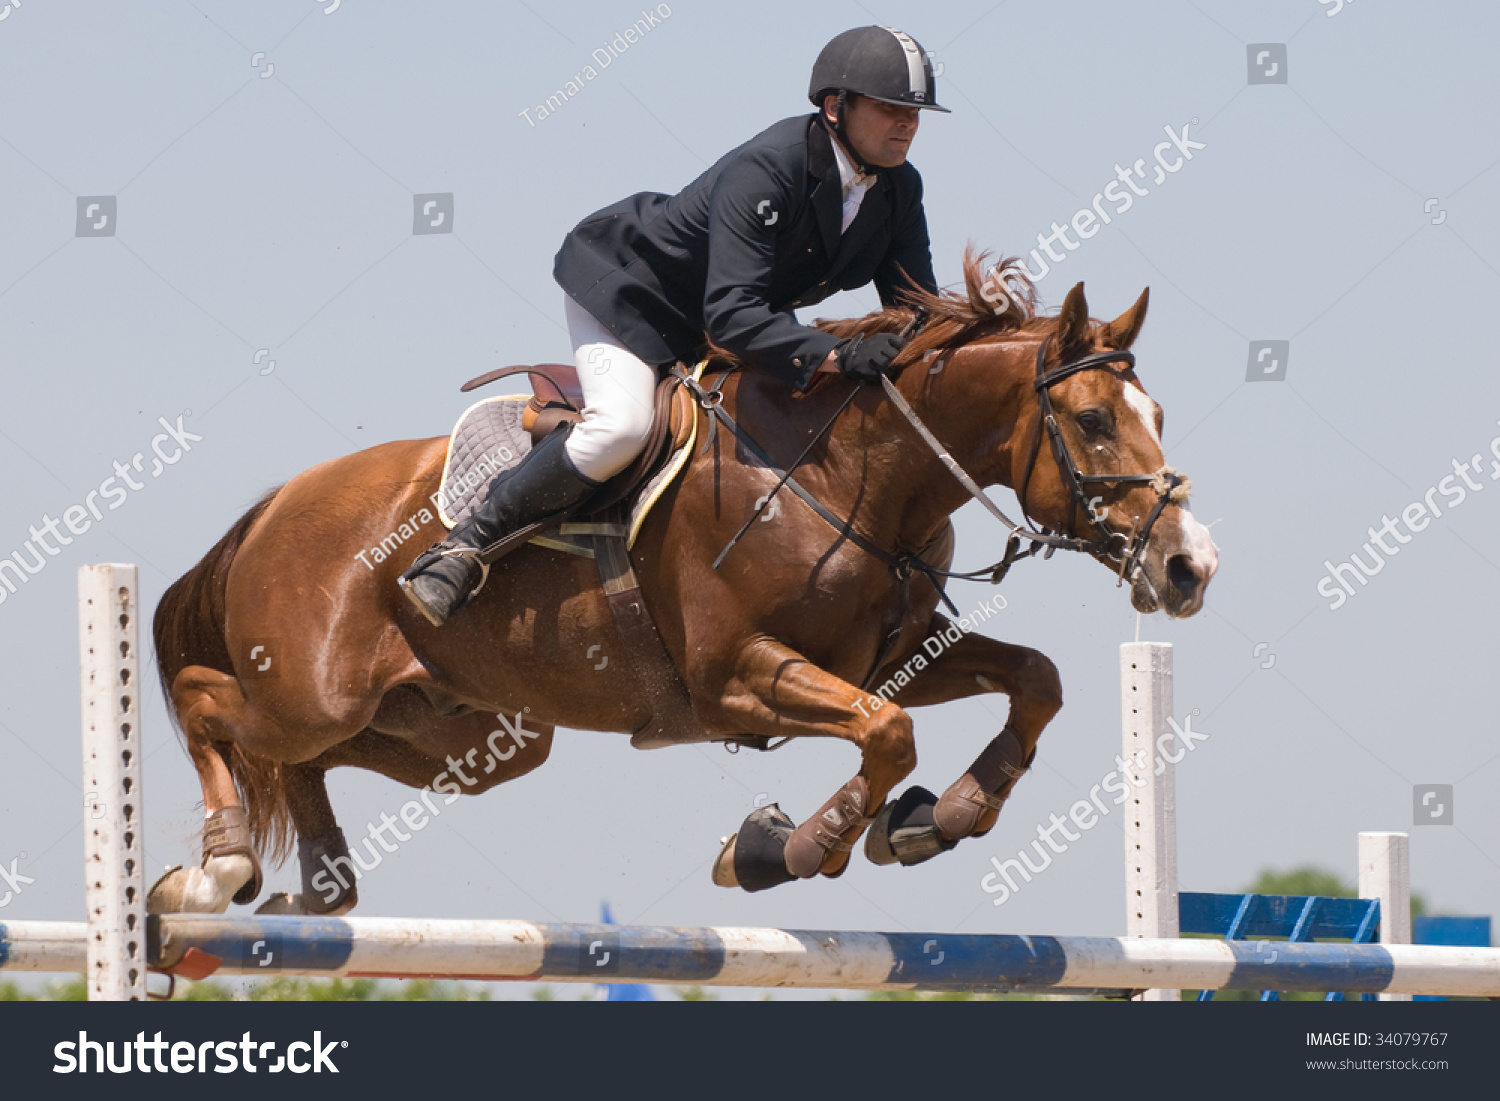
point(285, 652)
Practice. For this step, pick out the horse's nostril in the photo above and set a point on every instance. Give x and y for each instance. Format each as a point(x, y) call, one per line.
point(1183, 576)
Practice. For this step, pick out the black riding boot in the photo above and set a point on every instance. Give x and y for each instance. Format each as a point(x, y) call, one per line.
point(448, 575)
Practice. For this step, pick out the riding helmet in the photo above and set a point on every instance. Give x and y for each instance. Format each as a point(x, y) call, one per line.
point(879, 62)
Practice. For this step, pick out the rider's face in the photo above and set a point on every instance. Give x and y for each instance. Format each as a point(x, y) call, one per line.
point(881, 133)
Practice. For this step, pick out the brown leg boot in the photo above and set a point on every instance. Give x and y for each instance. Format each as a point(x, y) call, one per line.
point(987, 784)
point(825, 832)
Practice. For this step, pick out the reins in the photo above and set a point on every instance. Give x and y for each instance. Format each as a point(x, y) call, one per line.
point(919, 318)
point(1170, 487)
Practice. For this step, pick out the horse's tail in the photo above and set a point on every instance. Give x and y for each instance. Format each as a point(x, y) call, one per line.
point(189, 630)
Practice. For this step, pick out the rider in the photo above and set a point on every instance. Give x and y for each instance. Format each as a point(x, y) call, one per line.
point(814, 205)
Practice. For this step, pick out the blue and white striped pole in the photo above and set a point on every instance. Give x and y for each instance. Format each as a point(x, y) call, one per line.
point(731, 956)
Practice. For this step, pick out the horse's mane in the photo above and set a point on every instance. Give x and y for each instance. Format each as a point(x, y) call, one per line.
point(956, 318)
point(953, 318)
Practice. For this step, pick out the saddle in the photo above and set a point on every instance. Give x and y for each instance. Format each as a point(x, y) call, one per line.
point(493, 435)
point(557, 398)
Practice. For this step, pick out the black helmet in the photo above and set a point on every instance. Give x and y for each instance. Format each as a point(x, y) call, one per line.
point(879, 62)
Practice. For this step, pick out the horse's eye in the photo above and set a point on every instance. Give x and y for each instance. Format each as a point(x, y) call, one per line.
point(1091, 422)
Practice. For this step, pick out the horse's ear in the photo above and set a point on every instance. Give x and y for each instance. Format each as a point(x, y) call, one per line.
point(1120, 333)
point(1072, 320)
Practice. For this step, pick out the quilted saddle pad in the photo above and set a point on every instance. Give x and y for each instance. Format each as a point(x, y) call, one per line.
point(489, 440)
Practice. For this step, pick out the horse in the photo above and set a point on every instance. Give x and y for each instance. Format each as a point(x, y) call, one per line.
point(286, 651)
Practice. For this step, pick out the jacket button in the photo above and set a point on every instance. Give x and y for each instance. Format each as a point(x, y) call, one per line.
point(796, 363)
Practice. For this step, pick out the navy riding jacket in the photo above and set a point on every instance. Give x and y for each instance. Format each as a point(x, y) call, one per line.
point(737, 250)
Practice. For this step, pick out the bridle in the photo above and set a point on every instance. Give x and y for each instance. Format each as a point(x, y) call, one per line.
point(1170, 487)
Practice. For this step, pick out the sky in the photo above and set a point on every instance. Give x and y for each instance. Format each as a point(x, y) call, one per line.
point(256, 274)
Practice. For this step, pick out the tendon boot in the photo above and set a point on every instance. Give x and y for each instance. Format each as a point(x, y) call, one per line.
point(544, 485)
point(987, 783)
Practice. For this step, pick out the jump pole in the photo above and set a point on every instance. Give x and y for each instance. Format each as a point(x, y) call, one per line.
point(405, 948)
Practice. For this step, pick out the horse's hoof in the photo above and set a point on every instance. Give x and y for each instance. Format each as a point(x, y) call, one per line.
point(905, 832)
point(317, 857)
point(282, 903)
point(754, 858)
point(723, 873)
point(205, 890)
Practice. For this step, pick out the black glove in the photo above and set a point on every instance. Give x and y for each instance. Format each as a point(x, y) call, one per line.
point(867, 357)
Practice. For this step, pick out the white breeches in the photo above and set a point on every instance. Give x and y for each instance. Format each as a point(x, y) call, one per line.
point(619, 393)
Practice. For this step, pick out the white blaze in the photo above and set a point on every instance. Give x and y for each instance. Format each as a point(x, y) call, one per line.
point(1145, 408)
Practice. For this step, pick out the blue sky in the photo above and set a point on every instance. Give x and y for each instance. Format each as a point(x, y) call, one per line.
point(264, 204)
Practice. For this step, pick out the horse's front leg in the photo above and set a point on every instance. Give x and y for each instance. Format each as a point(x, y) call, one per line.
point(777, 692)
point(918, 826)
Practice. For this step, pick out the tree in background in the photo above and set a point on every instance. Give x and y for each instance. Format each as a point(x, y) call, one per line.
point(1310, 880)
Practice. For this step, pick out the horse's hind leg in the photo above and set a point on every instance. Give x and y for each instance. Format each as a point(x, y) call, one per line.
point(477, 749)
point(219, 721)
point(230, 870)
point(320, 845)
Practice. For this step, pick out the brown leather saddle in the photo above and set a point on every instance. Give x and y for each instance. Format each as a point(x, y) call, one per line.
point(557, 397)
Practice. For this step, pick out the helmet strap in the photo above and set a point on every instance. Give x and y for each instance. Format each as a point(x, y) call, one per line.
point(843, 134)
